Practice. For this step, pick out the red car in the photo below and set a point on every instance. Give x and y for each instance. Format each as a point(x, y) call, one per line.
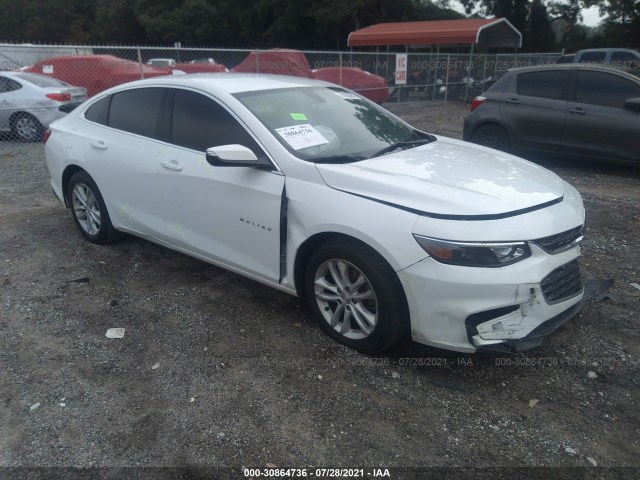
point(278, 61)
point(94, 72)
point(366, 84)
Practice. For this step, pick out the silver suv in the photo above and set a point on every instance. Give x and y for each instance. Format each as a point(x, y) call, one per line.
point(588, 111)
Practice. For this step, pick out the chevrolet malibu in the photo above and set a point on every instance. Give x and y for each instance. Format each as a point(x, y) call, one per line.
point(388, 232)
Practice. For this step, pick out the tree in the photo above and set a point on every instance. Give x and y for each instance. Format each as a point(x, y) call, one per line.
point(515, 11)
point(623, 23)
point(188, 21)
point(117, 22)
point(540, 35)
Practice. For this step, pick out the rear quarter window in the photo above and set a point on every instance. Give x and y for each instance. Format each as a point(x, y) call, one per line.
point(99, 111)
point(499, 85)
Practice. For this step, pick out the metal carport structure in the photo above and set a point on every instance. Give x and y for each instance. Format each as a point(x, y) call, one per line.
point(477, 33)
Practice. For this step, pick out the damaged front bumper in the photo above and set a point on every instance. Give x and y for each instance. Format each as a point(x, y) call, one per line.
point(508, 309)
point(531, 340)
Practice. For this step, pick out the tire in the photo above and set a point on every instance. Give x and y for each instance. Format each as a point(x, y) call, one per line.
point(492, 136)
point(27, 128)
point(89, 210)
point(365, 308)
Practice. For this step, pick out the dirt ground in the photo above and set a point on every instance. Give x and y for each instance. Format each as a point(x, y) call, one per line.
point(215, 370)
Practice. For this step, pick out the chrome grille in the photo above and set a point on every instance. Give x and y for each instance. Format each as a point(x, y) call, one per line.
point(562, 283)
point(561, 241)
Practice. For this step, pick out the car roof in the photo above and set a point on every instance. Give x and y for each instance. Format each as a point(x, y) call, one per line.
point(230, 82)
point(607, 50)
point(575, 66)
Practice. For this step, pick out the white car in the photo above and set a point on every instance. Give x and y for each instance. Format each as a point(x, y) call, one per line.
point(30, 102)
point(389, 232)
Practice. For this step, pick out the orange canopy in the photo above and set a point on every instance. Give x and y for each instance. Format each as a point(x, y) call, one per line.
point(483, 32)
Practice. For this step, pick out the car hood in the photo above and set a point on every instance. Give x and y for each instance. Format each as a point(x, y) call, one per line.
point(448, 178)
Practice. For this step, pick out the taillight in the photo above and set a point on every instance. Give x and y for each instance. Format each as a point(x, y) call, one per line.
point(47, 134)
point(59, 97)
point(477, 102)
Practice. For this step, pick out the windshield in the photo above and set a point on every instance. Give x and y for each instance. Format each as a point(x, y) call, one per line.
point(329, 124)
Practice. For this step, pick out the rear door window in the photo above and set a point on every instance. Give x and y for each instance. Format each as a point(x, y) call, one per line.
point(546, 84)
point(605, 89)
point(137, 111)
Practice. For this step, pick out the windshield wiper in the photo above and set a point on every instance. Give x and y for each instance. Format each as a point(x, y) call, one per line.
point(402, 145)
point(338, 159)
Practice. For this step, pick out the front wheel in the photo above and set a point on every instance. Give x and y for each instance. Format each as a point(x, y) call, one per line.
point(89, 210)
point(356, 297)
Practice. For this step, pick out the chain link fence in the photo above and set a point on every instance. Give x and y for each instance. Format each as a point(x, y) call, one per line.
point(35, 80)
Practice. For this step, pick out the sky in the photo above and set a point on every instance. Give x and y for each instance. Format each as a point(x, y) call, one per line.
point(591, 18)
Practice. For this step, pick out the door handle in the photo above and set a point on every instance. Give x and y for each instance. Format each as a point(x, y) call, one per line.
point(171, 165)
point(99, 145)
point(513, 101)
point(578, 111)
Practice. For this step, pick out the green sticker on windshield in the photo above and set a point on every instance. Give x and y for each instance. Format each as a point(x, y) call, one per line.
point(298, 116)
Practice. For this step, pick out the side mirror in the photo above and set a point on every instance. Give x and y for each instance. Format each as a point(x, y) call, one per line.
point(632, 104)
point(231, 156)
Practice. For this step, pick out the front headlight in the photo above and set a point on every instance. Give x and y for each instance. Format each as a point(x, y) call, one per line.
point(474, 254)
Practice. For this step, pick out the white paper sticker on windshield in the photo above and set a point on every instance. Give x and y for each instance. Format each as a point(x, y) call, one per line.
point(301, 136)
point(47, 69)
point(348, 95)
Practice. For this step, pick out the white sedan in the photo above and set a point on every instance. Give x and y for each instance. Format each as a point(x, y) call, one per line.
point(30, 102)
point(388, 232)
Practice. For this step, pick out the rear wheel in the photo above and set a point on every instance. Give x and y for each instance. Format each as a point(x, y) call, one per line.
point(492, 136)
point(89, 210)
point(27, 128)
point(356, 296)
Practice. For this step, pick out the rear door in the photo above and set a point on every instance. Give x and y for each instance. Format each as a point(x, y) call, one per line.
point(122, 147)
point(533, 107)
point(597, 124)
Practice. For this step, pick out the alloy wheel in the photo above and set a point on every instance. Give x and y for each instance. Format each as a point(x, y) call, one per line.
point(346, 299)
point(86, 208)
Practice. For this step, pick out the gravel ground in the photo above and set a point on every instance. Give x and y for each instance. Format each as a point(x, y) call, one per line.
point(217, 370)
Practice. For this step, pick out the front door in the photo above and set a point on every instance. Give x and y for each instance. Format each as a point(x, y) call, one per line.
point(228, 214)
